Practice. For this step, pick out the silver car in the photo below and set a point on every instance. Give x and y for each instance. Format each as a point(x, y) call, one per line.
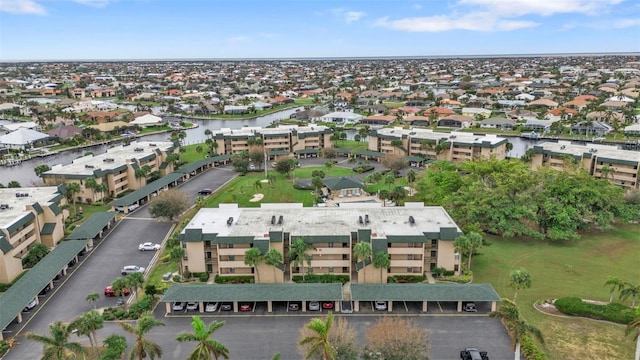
point(314, 306)
point(129, 269)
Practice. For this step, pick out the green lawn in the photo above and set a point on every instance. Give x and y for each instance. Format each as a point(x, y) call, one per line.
point(576, 269)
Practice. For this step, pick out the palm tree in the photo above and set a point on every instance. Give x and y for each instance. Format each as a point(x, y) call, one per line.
point(253, 257)
point(362, 251)
point(317, 183)
point(319, 340)
point(616, 285)
point(143, 347)
point(135, 280)
point(206, 347)
point(519, 279)
point(177, 253)
point(88, 324)
point(298, 253)
point(271, 178)
point(115, 345)
point(73, 188)
point(92, 298)
point(257, 185)
point(389, 179)
point(381, 261)
point(91, 183)
point(630, 291)
point(273, 257)
point(634, 327)
point(57, 346)
point(518, 328)
point(119, 286)
point(411, 177)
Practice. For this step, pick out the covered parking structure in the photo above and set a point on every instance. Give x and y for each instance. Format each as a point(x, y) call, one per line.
point(94, 228)
point(307, 153)
point(36, 279)
point(142, 195)
point(268, 293)
point(423, 293)
point(369, 154)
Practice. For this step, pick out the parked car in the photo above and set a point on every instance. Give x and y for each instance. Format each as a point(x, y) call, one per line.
point(149, 246)
point(226, 307)
point(245, 307)
point(192, 306)
point(178, 306)
point(108, 291)
point(211, 307)
point(129, 269)
point(470, 307)
point(205, 192)
point(473, 354)
point(32, 304)
point(327, 305)
point(314, 306)
point(381, 305)
point(294, 307)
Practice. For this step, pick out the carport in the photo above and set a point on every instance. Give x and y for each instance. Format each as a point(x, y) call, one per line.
point(235, 293)
point(306, 153)
point(369, 154)
point(94, 227)
point(424, 293)
point(200, 166)
point(143, 194)
point(27, 287)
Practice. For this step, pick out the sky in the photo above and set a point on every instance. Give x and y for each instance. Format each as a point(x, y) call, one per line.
point(36, 30)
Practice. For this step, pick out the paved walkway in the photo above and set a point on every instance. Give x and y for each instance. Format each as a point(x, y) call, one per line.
point(430, 278)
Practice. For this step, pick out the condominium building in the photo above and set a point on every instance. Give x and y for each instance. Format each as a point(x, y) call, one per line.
point(618, 166)
point(415, 238)
point(28, 216)
point(454, 146)
point(299, 140)
point(121, 168)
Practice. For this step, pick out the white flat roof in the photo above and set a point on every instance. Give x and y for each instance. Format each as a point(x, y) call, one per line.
point(119, 154)
point(17, 205)
point(605, 151)
point(429, 134)
point(321, 221)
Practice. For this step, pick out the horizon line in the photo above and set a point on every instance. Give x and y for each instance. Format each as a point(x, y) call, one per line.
point(326, 58)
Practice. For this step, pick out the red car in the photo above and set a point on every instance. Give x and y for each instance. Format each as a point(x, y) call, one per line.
point(327, 305)
point(108, 291)
point(245, 307)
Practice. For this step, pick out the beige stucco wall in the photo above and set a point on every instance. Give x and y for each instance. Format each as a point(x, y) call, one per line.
point(446, 255)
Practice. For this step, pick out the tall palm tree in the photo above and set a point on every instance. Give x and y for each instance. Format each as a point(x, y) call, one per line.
point(298, 253)
point(253, 257)
point(57, 346)
point(381, 261)
point(273, 257)
point(143, 347)
point(115, 345)
point(411, 177)
point(362, 251)
point(207, 347)
point(88, 324)
point(518, 328)
point(92, 298)
point(319, 340)
point(135, 280)
point(91, 183)
point(73, 188)
point(615, 284)
point(177, 253)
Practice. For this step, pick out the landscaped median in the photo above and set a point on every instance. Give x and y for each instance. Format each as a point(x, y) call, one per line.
point(614, 312)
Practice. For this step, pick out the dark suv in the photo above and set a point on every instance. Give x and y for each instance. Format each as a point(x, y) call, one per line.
point(473, 354)
point(205, 192)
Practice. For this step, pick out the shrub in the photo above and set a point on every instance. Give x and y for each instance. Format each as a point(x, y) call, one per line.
point(406, 279)
point(150, 289)
point(363, 169)
point(614, 312)
point(324, 278)
point(303, 187)
point(143, 304)
point(4, 347)
point(176, 278)
point(529, 349)
point(239, 279)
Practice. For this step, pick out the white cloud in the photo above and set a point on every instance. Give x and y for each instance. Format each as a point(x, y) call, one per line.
point(22, 7)
point(94, 3)
point(541, 7)
point(268, 35)
point(626, 23)
point(237, 39)
point(477, 21)
point(417, 6)
point(347, 15)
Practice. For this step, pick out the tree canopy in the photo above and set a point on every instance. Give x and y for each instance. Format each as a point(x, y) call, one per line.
point(169, 204)
point(507, 198)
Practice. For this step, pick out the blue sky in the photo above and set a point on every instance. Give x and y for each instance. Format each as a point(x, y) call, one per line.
point(213, 29)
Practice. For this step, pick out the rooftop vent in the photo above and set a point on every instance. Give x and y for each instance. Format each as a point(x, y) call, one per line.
point(280, 220)
point(4, 206)
point(230, 221)
point(412, 221)
point(360, 220)
point(152, 144)
point(88, 166)
point(366, 218)
point(563, 147)
point(138, 149)
point(18, 195)
point(273, 220)
point(108, 160)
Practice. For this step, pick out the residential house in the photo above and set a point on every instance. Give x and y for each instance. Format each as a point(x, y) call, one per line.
point(498, 123)
point(591, 128)
point(457, 121)
point(341, 117)
point(476, 113)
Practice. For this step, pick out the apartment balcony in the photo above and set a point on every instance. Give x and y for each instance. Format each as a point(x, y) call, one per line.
point(331, 251)
point(406, 263)
point(232, 264)
point(405, 251)
point(233, 251)
point(23, 245)
point(330, 263)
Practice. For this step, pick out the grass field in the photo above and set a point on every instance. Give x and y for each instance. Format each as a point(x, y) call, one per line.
point(576, 269)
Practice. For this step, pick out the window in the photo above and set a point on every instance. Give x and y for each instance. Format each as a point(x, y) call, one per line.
point(410, 257)
point(409, 269)
point(455, 267)
point(209, 268)
point(345, 257)
point(330, 269)
point(207, 243)
point(434, 242)
point(345, 270)
point(208, 254)
point(232, 257)
point(232, 270)
point(230, 246)
point(330, 244)
point(434, 253)
point(184, 245)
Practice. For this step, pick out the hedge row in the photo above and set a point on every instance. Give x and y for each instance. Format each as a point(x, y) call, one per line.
point(324, 278)
point(234, 279)
point(406, 279)
point(614, 312)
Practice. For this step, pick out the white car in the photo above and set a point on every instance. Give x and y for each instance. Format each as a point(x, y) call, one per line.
point(211, 307)
point(314, 306)
point(129, 269)
point(381, 305)
point(192, 306)
point(148, 246)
